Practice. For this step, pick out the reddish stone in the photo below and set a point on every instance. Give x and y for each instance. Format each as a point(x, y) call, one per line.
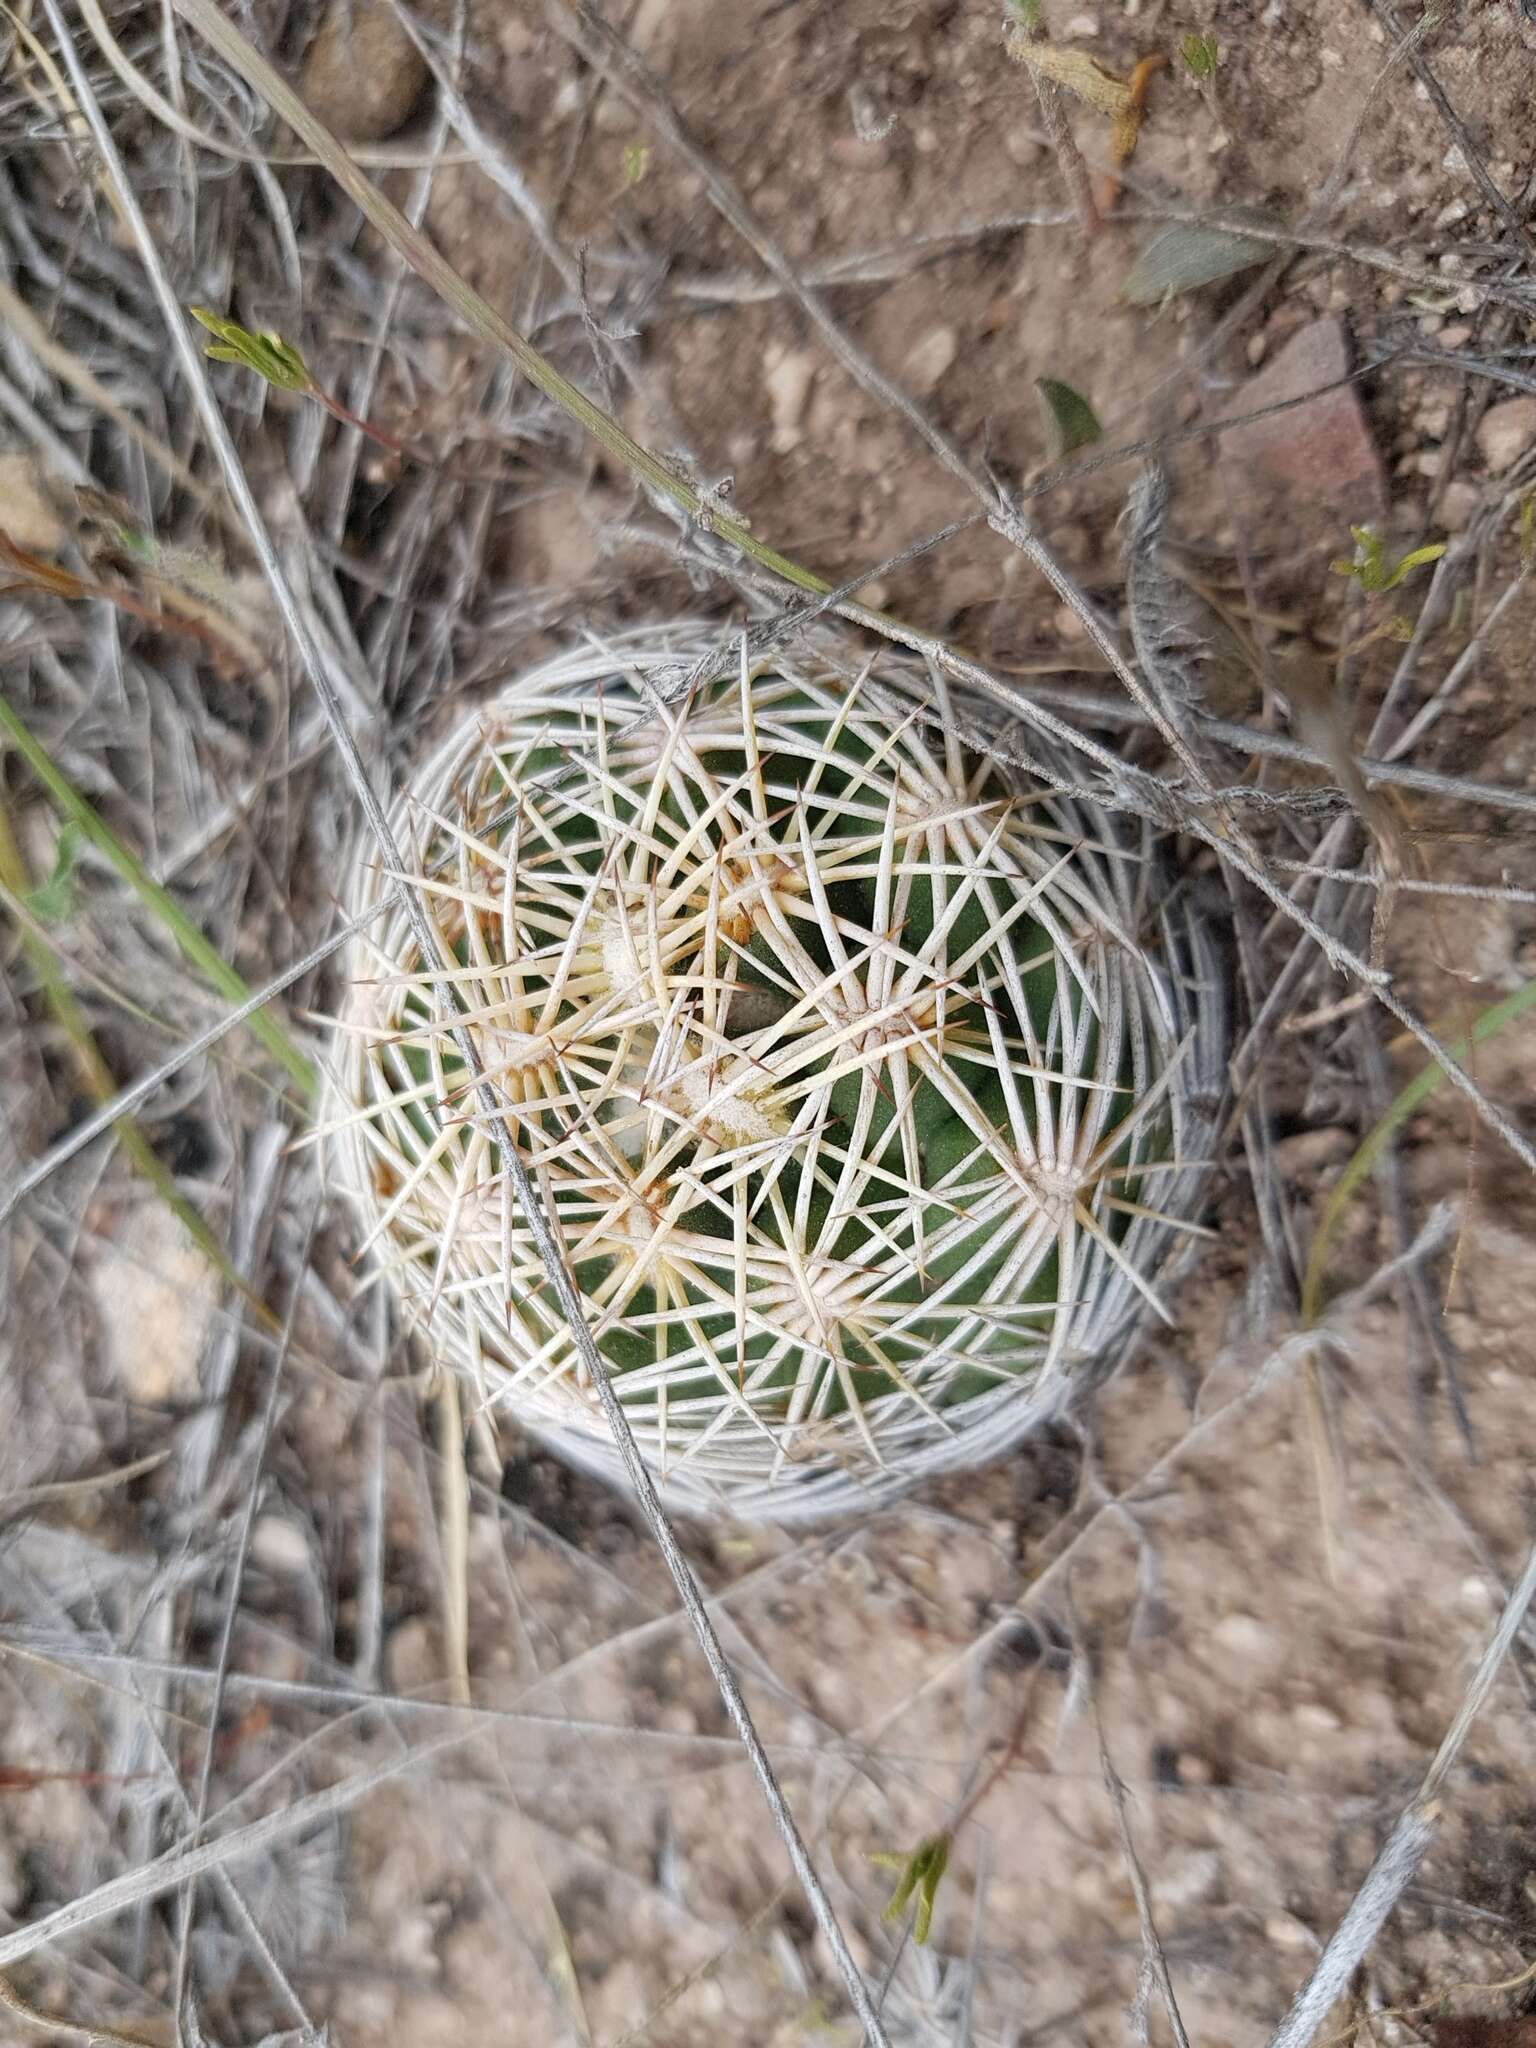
point(1313, 459)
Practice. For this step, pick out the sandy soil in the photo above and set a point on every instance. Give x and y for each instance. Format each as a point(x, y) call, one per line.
point(1256, 1575)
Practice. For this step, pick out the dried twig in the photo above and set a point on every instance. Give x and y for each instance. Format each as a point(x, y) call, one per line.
point(1405, 1847)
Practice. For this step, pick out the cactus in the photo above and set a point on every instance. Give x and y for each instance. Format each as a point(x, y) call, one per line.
point(833, 1048)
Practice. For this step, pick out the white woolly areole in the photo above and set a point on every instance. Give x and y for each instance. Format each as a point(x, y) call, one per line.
point(867, 1082)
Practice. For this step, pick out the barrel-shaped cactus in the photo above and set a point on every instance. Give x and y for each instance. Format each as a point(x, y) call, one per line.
point(858, 1073)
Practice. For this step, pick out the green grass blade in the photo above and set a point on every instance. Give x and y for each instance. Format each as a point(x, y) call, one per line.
point(205, 958)
point(99, 1080)
point(1413, 1097)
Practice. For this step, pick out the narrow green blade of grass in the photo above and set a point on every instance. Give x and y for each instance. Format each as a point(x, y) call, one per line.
point(214, 968)
point(99, 1080)
point(1413, 1097)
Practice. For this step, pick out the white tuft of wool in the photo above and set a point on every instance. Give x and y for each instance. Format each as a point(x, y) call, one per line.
point(868, 1082)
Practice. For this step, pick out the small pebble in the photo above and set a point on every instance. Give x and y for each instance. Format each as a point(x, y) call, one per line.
point(1317, 1720)
point(1505, 432)
point(30, 518)
point(1242, 1635)
point(279, 1544)
point(1284, 1930)
point(362, 74)
point(927, 362)
point(1317, 459)
point(856, 153)
point(788, 380)
point(410, 1657)
point(1186, 1882)
point(1023, 147)
point(1305, 1151)
point(1458, 503)
point(1434, 416)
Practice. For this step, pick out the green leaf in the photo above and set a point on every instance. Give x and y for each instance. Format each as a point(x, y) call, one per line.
point(1415, 560)
point(637, 161)
point(1370, 567)
point(53, 901)
point(1367, 564)
point(267, 354)
point(920, 1873)
point(1073, 421)
point(1202, 53)
point(1185, 255)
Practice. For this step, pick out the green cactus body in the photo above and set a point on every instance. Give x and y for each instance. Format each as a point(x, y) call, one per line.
point(820, 1041)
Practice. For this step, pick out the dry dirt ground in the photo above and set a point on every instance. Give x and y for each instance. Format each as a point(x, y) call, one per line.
point(1253, 1578)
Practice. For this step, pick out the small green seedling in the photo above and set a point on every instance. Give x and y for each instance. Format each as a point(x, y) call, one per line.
point(270, 356)
point(267, 354)
point(637, 161)
point(1202, 54)
point(921, 1874)
point(1528, 532)
point(1376, 574)
point(1373, 571)
point(53, 901)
